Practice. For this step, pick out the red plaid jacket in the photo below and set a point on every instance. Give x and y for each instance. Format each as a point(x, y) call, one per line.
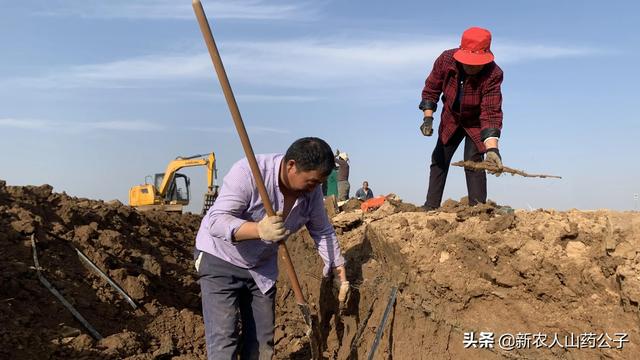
point(481, 104)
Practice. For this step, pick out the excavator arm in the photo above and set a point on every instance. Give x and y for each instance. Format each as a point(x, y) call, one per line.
point(211, 172)
point(182, 162)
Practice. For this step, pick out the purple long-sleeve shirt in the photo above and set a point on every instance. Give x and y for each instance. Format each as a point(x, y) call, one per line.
point(239, 202)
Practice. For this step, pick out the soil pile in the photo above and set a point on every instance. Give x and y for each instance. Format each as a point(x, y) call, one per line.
point(483, 269)
point(148, 255)
point(551, 285)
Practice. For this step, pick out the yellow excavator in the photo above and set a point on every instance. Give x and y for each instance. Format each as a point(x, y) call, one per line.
point(170, 191)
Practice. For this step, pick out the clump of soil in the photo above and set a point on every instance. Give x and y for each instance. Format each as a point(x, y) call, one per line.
point(351, 205)
point(458, 270)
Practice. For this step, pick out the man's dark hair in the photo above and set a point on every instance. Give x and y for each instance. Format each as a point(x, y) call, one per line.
point(311, 153)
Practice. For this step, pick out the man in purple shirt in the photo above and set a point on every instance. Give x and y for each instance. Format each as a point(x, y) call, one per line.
point(237, 245)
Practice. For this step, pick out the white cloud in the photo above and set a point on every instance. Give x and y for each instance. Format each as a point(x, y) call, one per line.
point(28, 124)
point(298, 64)
point(229, 130)
point(311, 63)
point(243, 97)
point(257, 98)
point(266, 129)
point(507, 53)
point(181, 9)
point(76, 127)
point(122, 73)
point(137, 125)
point(211, 129)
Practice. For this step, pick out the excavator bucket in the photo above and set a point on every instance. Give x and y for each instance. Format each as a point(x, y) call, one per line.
point(209, 198)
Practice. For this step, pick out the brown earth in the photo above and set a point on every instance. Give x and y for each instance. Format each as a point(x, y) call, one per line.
point(460, 269)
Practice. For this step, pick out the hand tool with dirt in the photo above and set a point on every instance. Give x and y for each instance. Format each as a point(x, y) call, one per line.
point(493, 169)
point(312, 331)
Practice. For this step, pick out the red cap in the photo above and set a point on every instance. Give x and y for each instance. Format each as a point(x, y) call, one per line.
point(475, 47)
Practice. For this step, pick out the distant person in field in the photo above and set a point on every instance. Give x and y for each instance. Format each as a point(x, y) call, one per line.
point(342, 159)
point(237, 246)
point(364, 193)
point(469, 81)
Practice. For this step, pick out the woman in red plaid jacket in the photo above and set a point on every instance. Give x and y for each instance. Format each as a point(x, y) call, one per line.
point(469, 81)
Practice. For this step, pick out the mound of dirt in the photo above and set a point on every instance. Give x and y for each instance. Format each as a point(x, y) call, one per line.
point(534, 276)
point(148, 255)
point(458, 270)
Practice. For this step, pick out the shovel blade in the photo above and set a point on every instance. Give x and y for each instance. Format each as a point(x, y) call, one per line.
point(312, 332)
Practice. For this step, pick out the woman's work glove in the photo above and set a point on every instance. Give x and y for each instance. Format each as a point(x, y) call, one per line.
point(427, 126)
point(493, 157)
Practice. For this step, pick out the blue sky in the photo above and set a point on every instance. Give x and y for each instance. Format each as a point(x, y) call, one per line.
point(95, 95)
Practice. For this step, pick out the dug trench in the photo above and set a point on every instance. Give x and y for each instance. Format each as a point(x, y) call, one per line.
point(457, 270)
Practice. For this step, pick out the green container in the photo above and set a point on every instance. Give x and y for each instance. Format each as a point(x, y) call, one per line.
point(332, 184)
